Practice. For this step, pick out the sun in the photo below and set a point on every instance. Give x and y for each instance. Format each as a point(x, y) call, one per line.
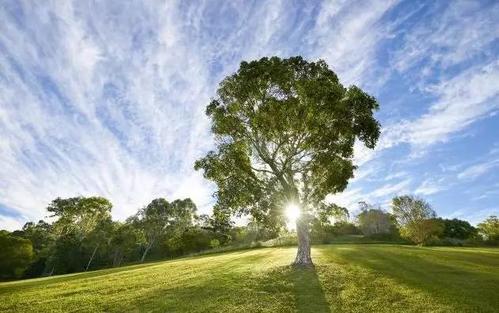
point(292, 213)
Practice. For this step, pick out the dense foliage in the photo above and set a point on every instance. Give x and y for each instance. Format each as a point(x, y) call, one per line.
point(490, 228)
point(416, 219)
point(15, 255)
point(285, 131)
point(458, 229)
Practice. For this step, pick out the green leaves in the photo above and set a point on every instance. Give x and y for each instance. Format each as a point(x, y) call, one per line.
point(80, 214)
point(490, 228)
point(161, 216)
point(416, 218)
point(15, 255)
point(285, 130)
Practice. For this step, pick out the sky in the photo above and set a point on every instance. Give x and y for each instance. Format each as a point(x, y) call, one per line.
point(108, 97)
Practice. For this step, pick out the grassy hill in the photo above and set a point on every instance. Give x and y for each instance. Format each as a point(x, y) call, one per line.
point(347, 278)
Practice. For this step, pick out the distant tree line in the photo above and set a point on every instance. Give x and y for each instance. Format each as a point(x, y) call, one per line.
point(412, 220)
point(84, 237)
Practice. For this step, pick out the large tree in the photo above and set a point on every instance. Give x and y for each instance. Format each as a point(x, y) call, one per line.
point(285, 131)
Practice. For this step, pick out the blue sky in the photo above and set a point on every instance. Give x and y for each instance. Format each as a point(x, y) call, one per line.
point(107, 98)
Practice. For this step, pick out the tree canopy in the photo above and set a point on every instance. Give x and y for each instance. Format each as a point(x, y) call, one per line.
point(490, 228)
point(160, 217)
point(416, 218)
point(79, 214)
point(373, 220)
point(15, 255)
point(458, 229)
point(285, 131)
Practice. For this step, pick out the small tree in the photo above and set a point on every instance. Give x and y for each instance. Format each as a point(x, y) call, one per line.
point(489, 228)
point(161, 217)
point(214, 243)
point(285, 130)
point(416, 218)
point(373, 220)
point(329, 214)
point(422, 231)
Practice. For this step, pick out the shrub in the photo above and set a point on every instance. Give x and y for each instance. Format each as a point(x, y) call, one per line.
point(214, 243)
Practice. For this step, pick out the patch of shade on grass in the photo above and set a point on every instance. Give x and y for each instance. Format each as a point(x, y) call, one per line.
point(347, 278)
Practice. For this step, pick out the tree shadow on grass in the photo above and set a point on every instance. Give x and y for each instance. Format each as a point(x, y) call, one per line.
point(302, 285)
point(307, 290)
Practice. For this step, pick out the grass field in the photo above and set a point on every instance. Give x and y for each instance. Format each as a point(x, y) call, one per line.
point(347, 278)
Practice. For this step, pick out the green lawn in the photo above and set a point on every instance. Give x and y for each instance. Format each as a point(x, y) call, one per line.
point(347, 278)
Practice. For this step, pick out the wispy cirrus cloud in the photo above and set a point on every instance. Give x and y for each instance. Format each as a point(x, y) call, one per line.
point(463, 31)
point(479, 169)
point(452, 60)
point(108, 98)
point(430, 186)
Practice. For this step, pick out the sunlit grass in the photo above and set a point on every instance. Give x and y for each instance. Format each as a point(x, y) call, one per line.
point(347, 278)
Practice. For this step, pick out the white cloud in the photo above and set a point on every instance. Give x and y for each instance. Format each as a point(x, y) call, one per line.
point(462, 31)
point(351, 197)
point(429, 187)
point(347, 34)
point(479, 169)
point(462, 100)
point(474, 215)
point(9, 223)
point(108, 98)
point(64, 135)
point(396, 175)
point(348, 199)
point(390, 189)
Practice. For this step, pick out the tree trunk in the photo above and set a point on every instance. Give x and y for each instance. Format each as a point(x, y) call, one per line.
point(51, 271)
point(303, 258)
point(91, 258)
point(116, 256)
point(148, 247)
